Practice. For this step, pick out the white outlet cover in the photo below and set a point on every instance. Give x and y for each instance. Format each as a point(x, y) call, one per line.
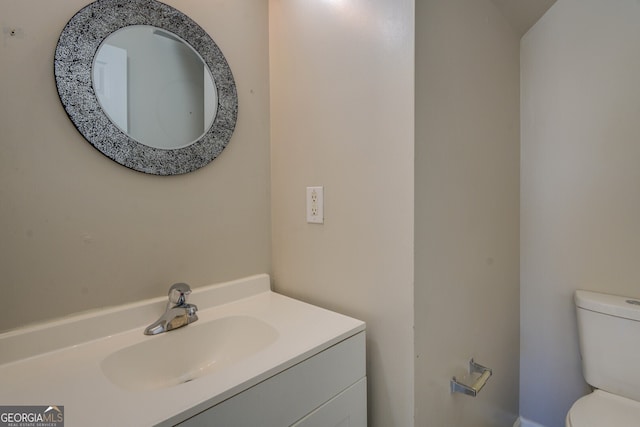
point(315, 205)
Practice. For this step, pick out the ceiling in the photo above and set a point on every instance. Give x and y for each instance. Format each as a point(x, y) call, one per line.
point(523, 13)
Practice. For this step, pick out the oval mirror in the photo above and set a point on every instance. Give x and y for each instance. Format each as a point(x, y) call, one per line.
point(154, 87)
point(146, 86)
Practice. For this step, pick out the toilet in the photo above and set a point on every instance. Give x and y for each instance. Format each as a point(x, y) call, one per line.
point(609, 333)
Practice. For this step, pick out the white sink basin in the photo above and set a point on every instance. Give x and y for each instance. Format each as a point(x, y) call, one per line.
point(245, 335)
point(188, 353)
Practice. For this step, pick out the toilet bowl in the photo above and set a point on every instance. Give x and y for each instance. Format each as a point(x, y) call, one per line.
point(602, 409)
point(609, 333)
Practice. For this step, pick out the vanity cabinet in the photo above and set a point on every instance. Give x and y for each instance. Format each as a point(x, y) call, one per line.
point(328, 389)
point(254, 358)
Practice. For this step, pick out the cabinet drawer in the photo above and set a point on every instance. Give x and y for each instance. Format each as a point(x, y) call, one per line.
point(290, 395)
point(348, 409)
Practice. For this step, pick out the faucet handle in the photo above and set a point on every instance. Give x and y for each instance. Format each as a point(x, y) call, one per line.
point(178, 293)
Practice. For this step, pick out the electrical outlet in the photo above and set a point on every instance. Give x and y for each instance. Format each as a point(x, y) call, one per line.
point(315, 205)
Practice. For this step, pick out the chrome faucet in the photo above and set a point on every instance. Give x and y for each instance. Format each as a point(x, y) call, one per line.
point(178, 312)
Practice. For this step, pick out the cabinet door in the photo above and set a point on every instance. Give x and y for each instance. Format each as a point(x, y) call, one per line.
point(347, 409)
point(291, 395)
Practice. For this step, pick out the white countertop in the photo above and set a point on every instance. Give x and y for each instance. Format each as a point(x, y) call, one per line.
point(58, 363)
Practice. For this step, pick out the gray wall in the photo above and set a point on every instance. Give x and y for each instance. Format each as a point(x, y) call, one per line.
point(467, 209)
point(580, 224)
point(80, 231)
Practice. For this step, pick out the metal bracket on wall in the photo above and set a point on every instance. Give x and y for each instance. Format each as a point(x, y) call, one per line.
point(474, 389)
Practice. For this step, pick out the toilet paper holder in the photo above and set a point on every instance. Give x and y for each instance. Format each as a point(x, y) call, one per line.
point(474, 389)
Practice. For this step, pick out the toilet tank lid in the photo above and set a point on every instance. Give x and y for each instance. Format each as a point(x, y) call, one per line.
point(613, 305)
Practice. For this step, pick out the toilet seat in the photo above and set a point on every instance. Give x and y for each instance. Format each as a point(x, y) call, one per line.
point(600, 409)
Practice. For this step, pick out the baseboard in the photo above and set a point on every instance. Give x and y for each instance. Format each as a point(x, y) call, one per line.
point(523, 422)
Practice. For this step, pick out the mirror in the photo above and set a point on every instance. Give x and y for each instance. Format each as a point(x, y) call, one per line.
point(146, 86)
point(154, 87)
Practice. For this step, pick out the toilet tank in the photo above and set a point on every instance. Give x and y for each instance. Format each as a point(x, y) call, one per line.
point(609, 332)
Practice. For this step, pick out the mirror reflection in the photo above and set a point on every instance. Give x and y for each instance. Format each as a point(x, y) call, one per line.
point(154, 86)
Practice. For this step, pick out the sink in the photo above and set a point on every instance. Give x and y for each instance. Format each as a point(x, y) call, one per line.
point(247, 335)
point(188, 353)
